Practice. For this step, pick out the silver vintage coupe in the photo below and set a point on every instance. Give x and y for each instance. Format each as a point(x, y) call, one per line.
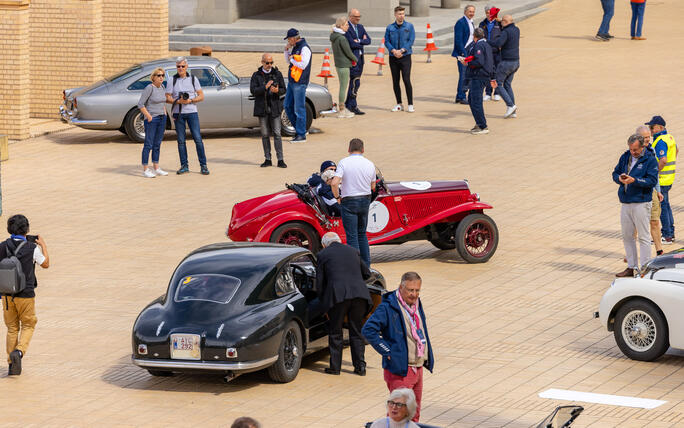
point(111, 103)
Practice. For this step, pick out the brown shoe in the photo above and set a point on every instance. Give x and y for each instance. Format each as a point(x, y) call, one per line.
point(627, 273)
point(640, 38)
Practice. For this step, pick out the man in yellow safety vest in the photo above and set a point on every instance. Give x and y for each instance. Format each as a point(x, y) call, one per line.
point(666, 151)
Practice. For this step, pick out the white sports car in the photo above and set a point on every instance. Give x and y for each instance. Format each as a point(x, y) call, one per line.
point(646, 314)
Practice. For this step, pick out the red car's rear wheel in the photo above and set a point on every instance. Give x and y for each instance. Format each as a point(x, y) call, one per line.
point(299, 234)
point(476, 238)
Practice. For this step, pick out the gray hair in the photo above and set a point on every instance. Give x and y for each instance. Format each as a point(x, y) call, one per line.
point(329, 238)
point(411, 405)
point(180, 59)
point(340, 21)
point(633, 138)
point(327, 175)
point(465, 9)
point(642, 128)
point(487, 8)
point(410, 276)
point(479, 33)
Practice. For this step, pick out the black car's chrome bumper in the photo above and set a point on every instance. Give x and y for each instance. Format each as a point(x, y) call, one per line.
point(204, 365)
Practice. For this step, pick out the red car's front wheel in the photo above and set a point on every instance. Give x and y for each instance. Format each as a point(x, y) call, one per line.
point(299, 234)
point(476, 238)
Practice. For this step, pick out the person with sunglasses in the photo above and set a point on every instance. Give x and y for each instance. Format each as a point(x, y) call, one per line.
point(267, 85)
point(401, 407)
point(184, 111)
point(151, 105)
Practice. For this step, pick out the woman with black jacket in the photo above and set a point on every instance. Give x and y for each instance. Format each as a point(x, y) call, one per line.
point(267, 86)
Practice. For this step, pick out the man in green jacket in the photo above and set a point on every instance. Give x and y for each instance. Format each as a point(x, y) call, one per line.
point(344, 60)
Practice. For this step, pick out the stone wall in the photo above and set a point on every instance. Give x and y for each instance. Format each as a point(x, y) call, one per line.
point(187, 12)
point(14, 57)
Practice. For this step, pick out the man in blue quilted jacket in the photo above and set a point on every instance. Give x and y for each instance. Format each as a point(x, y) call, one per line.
point(397, 330)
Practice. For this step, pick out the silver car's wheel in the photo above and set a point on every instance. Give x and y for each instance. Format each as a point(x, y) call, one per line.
point(134, 126)
point(641, 330)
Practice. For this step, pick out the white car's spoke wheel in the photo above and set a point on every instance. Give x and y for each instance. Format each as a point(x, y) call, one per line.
point(639, 331)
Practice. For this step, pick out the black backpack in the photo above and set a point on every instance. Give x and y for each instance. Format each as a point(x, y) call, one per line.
point(12, 278)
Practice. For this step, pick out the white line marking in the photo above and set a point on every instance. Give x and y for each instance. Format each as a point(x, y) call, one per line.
point(590, 397)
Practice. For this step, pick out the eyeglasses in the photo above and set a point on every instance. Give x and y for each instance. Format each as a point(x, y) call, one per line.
point(268, 63)
point(391, 403)
point(158, 75)
point(181, 66)
point(356, 16)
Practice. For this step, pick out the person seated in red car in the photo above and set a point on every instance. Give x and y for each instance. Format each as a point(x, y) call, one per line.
point(315, 178)
point(325, 192)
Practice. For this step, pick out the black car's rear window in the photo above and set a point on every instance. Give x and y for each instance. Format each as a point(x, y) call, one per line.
point(207, 287)
point(124, 74)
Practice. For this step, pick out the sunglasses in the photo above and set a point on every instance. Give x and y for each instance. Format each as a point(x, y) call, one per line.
point(268, 63)
point(181, 66)
point(158, 75)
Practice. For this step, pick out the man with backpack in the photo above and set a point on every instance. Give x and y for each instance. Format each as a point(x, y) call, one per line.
point(18, 256)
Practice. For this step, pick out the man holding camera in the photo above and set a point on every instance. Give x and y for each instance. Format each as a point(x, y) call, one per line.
point(19, 309)
point(184, 92)
point(267, 86)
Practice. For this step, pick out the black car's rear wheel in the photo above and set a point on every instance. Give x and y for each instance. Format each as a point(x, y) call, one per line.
point(299, 234)
point(288, 128)
point(134, 126)
point(161, 373)
point(476, 238)
point(289, 355)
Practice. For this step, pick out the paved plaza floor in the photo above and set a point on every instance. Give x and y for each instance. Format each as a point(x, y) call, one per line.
point(503, 331)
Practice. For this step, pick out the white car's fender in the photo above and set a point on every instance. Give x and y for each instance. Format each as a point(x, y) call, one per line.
point(666, 290)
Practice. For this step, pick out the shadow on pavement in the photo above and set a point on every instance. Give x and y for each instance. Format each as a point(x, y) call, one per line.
point(442, 129)
point(588, 252)
point(94, 137)
point(400, 253)
point(230, 161)
point(576, 267)
point(608, 234)
point(591, 38)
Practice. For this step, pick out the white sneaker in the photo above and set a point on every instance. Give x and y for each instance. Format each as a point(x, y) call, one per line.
point(148, 173)
point(160, 171)
point(514, 115)
point(497, 98)
point(510, 111)
point(398, 107)
point(486, 98)
point(479, 131)
point(344, 114)
point(411, 109)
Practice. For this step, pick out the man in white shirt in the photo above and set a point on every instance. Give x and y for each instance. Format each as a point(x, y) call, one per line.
point(298, 55)
point(357, 175)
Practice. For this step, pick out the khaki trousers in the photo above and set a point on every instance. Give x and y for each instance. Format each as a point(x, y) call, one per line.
point(20, 318)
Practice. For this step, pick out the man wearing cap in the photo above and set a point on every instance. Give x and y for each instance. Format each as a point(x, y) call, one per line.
point(298, 56)
point(463, 36)
point(666, 151)
point(480, 71)
point(315, 178)
point(492, 29)
point(358, 38)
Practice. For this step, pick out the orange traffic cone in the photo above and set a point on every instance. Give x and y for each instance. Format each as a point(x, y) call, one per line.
point(430, 45)
point(325, 68)
point(380, 57)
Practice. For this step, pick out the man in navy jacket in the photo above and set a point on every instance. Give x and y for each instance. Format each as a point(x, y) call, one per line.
point(463, 36)
point(397, 330)
point(637, 174)
point(480, 72)
point(358, 38)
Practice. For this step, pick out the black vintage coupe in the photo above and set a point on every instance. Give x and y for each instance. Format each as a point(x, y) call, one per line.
point(234, 308)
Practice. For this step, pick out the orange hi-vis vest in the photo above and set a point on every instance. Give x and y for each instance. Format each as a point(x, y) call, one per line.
point(296, 72)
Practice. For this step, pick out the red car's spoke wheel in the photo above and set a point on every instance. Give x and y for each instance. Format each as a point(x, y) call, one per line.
point(476, 238)
point(298, 234)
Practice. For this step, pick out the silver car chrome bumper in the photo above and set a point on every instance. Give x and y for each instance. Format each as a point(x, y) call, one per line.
point(201, 365)
point(68, 117)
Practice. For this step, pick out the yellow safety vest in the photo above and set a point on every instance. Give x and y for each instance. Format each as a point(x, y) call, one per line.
point(666, 175)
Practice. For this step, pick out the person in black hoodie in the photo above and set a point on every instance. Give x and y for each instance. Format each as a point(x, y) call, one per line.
point(267, 86)
point(480, 71)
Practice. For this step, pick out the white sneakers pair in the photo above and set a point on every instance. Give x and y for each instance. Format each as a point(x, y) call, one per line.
point(489, 97)
point(150, 173)
point(400, 107)
point(344, 114)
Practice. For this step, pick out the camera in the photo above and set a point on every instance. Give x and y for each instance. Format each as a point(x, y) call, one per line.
point(31, 238)
point(183, 95)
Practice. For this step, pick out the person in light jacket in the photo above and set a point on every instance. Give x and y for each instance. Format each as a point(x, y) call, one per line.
point(344, 60)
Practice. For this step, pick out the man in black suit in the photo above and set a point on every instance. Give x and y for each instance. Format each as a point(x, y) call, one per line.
point(343, 292)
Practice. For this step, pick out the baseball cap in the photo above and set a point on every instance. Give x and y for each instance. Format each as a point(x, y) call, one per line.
point(292, 32)
point(656, 120)
point(327, 164)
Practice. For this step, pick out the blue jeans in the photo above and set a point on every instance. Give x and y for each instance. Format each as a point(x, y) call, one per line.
point(666, 218)
point(461, 94)
point(193, 122)
point(475, 100)
point(504, 77)
point(295, 106)
point(154, 133)
point(354, 221)
point(608, 11)
point(637, 16)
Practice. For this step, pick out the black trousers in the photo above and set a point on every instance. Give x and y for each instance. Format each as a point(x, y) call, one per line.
point(355, 310)
point(401, 65)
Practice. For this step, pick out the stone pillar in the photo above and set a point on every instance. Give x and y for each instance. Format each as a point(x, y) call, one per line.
point(15, 87)
point(66, 50)
point(420, 8)
point(451, 4)
point(374, 13)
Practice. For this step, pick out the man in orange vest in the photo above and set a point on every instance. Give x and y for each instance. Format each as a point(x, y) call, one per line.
point(298, 56)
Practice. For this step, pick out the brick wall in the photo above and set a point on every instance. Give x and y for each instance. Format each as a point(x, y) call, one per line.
point(133, 31)
point(14, 57)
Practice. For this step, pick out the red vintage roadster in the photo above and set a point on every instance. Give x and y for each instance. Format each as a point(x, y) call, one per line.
point(445, 213)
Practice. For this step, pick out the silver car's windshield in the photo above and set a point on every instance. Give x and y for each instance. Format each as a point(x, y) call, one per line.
point(122, 75)
point(226, 75)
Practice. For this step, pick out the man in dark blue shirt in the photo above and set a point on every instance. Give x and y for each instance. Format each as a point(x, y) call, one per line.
point(480, 72)
point(358, 38)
